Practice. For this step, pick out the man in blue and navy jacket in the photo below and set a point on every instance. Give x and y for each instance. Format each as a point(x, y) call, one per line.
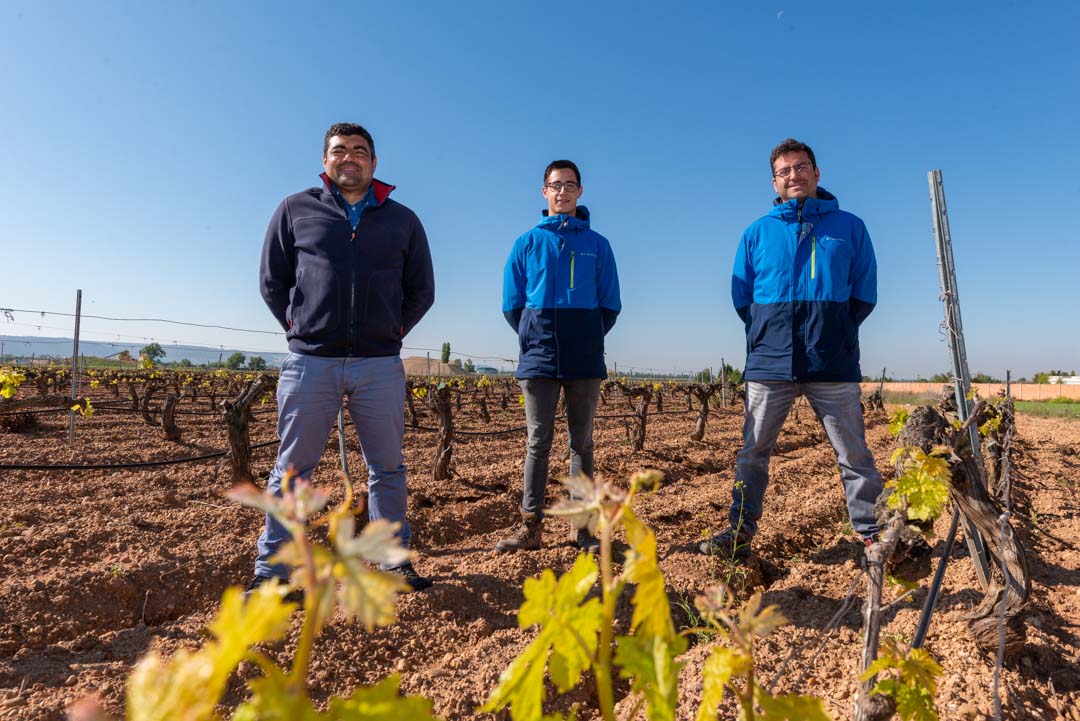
point(347, 273)
point(561, 297)
point(804, 279)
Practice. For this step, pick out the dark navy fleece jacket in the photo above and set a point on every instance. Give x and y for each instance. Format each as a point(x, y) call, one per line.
point(343, 292)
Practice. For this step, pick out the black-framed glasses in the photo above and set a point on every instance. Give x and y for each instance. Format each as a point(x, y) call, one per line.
point(569, 187)
point(800, 169)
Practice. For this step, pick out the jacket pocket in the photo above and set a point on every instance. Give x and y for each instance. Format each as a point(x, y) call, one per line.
point(382, 311)
point(524, 326)
point(314, 308)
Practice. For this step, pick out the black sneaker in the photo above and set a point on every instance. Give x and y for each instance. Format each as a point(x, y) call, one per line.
point(296, 596)
point(415, 580)
point(586, 541)
point(728, 545)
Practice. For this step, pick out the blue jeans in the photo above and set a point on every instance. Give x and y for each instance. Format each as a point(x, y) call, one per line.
point(309, 396)
point(837, 407)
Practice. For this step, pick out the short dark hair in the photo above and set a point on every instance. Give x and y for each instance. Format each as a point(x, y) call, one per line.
point(791, 145)
point(562, 165)
point(347, 129)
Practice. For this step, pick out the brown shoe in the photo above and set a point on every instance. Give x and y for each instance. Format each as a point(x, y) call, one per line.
point(525, 537)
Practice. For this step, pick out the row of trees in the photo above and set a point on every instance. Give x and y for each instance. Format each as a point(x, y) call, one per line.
point(1040, 377)
point(155, 353)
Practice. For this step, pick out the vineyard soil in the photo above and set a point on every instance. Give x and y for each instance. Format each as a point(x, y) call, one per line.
point(99, 566)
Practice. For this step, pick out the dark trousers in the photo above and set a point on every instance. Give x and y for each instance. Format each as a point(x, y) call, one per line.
point(541, 402)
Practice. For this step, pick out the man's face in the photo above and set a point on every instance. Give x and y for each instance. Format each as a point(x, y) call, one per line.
point(794, 176)
point(349, 163)
point(562, 191)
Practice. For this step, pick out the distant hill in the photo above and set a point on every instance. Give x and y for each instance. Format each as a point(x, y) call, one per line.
point(417, 366)
point(26, 347)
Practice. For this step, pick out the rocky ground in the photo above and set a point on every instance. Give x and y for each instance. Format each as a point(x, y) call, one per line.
point(99, 566)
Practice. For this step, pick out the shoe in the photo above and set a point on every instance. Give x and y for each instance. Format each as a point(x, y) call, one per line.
point(864, 560)
point(729, 545)
point(525, 537)
point(415, 580)
point(295, 596)
point(586, 541)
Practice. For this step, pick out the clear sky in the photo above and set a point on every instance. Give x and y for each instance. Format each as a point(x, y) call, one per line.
point(145, 146)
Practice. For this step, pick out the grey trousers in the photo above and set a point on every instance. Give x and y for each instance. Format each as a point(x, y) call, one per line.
point(541, 402)
point(837, 407)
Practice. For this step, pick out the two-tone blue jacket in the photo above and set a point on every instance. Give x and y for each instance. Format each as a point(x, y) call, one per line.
point(805, 277)
point(561, 296)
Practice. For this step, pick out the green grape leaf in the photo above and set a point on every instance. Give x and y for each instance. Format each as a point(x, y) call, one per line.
point(650, 661)
point(274, 699)
point(912, 680)
point(570, 628)
point(189, 685)
point(898, 420)
point(381, 702)
point(923, 486)
point(652, 611)
point(368, 594)
point(790, 708)
point(902, 583)
point(240, 624)
point(521, 685)
point(377, 543)
point(722, 665)
point(160, 691)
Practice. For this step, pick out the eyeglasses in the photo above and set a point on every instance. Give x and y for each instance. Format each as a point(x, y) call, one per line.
point(560, 187)
point(799, 169)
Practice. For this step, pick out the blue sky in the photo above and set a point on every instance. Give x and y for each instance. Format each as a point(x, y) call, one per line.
point(146, 144)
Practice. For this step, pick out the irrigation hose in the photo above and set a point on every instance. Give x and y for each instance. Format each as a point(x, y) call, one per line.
point(116, 466)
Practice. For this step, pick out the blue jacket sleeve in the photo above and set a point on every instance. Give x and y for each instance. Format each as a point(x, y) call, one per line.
point(417, 278)
point(742, 278)
point(863, 276)
point(277, 268)
point(608, 298)
point(514, 280)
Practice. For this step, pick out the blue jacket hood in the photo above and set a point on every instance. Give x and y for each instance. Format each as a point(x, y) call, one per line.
point(788, 210)
point(580, 221)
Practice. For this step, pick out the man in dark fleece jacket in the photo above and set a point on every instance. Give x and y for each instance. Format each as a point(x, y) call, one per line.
point(347, 273)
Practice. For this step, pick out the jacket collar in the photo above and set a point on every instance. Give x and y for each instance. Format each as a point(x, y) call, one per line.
point(578, 222)
point(825, 202)
point(380, 189)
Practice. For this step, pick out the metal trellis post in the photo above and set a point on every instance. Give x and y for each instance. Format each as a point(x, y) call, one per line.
point(954, 328)
point(723, 383)
point(75, 367)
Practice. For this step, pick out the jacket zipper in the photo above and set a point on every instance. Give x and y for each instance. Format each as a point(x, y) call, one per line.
point(798, 240)
point(555, 310)
point(352, 294)
point(571, 270)
point(813, 255)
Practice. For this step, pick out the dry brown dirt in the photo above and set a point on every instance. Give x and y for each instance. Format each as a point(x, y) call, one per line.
point(99, 566)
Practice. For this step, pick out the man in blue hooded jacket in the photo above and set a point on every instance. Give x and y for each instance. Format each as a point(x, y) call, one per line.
point(805, 278)
point(561, 296)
